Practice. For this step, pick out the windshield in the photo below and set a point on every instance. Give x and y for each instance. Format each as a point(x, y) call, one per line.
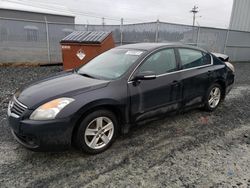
point(111, 64)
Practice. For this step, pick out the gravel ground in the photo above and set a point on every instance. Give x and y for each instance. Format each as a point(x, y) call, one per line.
point(194, 149)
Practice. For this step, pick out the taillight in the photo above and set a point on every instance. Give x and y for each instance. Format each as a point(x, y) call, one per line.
point(230, 65)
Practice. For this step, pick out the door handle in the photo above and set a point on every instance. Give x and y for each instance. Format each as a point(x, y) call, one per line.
point(175, 83)
point(209, 73)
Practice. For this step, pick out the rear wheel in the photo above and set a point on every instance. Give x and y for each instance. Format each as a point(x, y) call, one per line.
point(97, 132)
point(213, 97)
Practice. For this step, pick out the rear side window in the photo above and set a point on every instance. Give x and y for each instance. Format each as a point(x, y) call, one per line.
point(160, 62)
point(193, 58)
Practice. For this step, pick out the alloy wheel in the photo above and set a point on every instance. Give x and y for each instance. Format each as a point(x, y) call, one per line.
point(99, 132)
point(214, 97)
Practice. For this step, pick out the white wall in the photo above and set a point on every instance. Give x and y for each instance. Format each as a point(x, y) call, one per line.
point(240, 18)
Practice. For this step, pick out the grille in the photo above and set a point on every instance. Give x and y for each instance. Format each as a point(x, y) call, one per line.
point(18, 108)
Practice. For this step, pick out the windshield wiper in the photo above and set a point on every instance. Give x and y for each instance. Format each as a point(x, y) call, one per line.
point(87, 75)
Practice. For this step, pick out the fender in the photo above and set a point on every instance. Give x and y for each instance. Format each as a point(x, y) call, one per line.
point(116, 106)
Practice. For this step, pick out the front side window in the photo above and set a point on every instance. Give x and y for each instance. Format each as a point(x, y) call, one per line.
point(193, 58)
point(160, 63)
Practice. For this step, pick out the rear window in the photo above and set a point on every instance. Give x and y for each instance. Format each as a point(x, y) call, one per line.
point(193, 58)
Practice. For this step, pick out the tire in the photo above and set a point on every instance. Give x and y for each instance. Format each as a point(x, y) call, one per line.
point(92, 137)
point(213, 97)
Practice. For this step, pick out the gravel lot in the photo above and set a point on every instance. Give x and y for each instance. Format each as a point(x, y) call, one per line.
point(194, 149)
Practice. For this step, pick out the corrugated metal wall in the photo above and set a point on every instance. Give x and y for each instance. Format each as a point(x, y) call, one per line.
point(240, 18)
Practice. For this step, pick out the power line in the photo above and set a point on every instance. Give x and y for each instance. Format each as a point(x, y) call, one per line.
point(87, 14)
point(54, 9)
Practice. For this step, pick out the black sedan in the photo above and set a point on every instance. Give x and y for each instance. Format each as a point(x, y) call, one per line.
point(89, 106)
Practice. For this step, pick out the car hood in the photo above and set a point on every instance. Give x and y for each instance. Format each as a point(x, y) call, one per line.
point(65, 84)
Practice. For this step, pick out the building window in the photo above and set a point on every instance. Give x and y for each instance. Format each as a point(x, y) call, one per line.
point(3, 34)
point(31, 33)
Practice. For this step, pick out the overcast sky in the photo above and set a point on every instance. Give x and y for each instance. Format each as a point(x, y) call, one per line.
point(213, 13)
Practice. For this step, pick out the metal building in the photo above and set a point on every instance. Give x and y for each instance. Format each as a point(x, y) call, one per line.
point(240, 17)
point(17, 10)
point(28, 33)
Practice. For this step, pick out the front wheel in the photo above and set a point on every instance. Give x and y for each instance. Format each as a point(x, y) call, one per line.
point(96, 132)
point(213, 97)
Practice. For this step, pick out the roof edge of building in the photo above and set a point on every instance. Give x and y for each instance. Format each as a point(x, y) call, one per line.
point(57, 9)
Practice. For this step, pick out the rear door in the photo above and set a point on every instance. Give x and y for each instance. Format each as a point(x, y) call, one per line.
point(157, 96)
point(195, 74)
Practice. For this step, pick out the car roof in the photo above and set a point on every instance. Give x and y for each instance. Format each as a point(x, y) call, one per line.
point(154, 46)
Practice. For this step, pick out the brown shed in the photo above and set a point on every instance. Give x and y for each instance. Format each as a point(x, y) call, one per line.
point(80, 47)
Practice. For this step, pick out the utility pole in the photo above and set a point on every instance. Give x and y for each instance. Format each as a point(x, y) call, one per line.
point(194, 11)
point(157, 30)
point(103, 21)
point(47, 35)
point(121, 31)
point(87, 26)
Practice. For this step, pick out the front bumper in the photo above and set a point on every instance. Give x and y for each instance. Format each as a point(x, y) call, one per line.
point(51, 135)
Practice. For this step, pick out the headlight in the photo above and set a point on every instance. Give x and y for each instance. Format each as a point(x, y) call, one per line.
point(50, 109)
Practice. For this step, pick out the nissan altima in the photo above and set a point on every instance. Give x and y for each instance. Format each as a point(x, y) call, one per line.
point(89, 106)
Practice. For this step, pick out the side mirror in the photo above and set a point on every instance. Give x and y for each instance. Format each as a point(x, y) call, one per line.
point(146, 75)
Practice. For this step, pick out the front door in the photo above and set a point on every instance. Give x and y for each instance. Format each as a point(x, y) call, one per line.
point(160, 95)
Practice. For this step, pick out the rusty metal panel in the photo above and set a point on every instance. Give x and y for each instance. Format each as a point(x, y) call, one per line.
point(79, 48)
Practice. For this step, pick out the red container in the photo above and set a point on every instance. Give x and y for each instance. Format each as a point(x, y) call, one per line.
point(80, 47)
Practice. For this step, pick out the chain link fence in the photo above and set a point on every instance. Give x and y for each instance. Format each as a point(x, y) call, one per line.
point(39, 42)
